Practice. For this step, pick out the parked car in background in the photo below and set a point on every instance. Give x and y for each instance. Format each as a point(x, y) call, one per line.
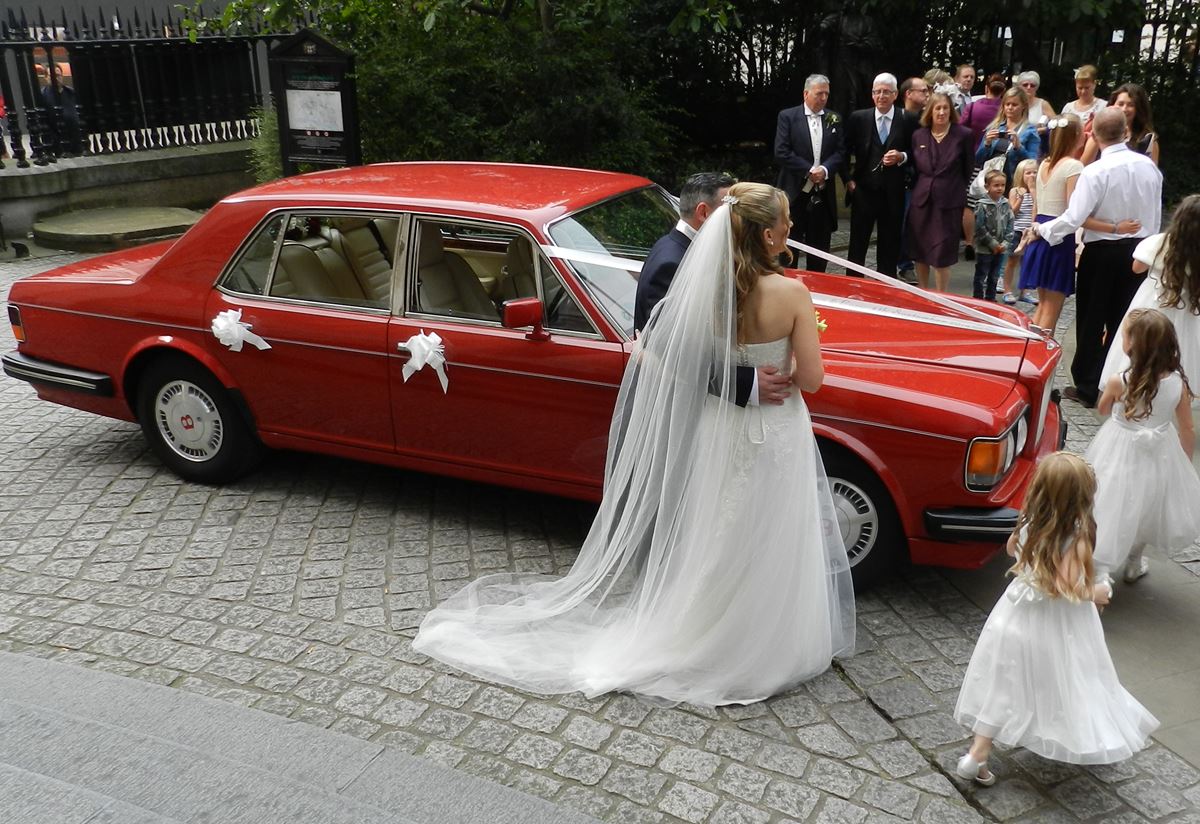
point(929, 422)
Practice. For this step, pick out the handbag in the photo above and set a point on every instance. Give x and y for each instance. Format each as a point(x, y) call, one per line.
point(978, 188)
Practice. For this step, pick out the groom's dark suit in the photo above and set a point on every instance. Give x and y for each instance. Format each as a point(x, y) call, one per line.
point(878, 199)
point(657, 273)
point(814, 213)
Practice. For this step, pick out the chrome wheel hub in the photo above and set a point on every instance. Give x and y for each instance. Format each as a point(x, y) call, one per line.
point(188, 421)
point(858, 519)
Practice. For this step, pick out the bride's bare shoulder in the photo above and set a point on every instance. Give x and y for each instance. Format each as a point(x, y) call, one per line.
point(785, 287)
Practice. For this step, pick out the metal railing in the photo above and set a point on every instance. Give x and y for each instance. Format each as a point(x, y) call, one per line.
point(100, 86)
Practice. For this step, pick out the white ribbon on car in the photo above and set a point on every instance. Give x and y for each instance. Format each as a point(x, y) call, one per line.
point(232, 331)
point(967, 317)
point(426, 350)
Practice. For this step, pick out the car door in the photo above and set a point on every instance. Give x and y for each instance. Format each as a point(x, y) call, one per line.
point(513, 404)
point(323, 381)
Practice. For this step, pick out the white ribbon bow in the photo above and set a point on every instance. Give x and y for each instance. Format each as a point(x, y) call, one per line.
point(426, 349)
point(232, 332)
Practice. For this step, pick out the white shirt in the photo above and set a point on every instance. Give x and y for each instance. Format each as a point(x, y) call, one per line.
point(1120, 185)
point(690, 233)
point(815, 131)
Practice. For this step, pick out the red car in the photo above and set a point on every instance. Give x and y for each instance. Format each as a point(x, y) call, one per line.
point(929, 423)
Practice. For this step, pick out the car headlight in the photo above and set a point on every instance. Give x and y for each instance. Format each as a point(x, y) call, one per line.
point(989, 459)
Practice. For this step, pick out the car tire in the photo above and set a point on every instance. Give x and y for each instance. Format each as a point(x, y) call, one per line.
point(875, 541)
point(192, 423)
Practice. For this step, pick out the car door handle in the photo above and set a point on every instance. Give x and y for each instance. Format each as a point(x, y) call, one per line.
point(403, 347)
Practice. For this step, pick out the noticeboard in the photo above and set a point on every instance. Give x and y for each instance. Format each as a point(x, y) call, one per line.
point(312, 82)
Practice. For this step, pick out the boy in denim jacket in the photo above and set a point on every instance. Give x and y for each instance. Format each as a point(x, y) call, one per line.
point(993, 228)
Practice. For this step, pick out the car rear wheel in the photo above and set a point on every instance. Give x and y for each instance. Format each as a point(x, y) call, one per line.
point(192, 423)
point(870, 527)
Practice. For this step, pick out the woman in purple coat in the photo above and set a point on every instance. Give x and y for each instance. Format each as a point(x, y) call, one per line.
point(943, 155)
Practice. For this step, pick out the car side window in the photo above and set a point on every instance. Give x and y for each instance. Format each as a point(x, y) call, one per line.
point(463, 270)
point(562, 312)
point(250, 273)
point(343, 259)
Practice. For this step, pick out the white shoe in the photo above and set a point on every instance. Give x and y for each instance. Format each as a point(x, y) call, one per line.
point(1136, 568)
point(973, 770)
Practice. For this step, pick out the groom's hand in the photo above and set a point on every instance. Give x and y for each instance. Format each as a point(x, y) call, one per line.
point(773, 387)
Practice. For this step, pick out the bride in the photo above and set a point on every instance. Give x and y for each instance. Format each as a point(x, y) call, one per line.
point(714, 572)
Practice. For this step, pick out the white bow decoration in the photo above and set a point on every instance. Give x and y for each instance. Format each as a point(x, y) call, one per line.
point(426, 349)
point(232, 332)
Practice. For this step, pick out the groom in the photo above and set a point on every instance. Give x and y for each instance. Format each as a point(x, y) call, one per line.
point(700, 196)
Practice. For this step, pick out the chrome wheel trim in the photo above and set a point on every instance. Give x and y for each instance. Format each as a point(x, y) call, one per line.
point(188, 421)
point(858, 518)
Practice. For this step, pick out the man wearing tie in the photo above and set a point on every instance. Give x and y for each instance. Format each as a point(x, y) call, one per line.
point(808, 149)
point(877, 145)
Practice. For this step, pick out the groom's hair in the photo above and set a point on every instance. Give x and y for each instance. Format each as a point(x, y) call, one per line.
point(702, 187)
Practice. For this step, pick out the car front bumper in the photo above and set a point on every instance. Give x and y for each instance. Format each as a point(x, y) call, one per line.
point(24, 368)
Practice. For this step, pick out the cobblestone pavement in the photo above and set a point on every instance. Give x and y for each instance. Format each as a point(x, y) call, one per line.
point(297, 591)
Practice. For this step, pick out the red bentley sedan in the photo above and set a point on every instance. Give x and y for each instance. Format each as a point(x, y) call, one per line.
point(287, 316)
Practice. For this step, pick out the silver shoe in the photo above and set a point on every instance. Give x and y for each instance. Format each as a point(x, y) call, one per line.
point(972, 770)
point(1136, 568)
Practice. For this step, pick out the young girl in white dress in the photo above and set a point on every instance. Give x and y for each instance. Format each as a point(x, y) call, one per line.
point(1172, 286)
point(1149, 493)
point(1041, 676)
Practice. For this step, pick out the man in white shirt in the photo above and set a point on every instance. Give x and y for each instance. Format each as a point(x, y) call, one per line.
point(808, 149)
point(1117, 201)
point(877, 145)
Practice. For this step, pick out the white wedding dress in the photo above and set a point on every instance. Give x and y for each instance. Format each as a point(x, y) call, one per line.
point(714, 572)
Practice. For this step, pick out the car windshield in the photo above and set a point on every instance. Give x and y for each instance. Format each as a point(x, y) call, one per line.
point(625, 227)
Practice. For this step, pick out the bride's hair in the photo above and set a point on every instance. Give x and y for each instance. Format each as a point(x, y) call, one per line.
point(754, 207)
point(1153, 354)
point(1060, 531)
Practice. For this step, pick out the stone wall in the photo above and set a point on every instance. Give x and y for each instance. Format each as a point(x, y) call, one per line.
point(193, 177)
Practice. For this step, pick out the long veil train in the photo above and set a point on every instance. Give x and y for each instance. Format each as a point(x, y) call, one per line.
point(714, 571)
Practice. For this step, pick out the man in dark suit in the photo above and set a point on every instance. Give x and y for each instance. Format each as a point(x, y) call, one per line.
point(878, 141)
point(700, 197)
point(808, 149)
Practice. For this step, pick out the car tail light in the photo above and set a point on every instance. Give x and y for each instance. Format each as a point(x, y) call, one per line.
point(14, 318)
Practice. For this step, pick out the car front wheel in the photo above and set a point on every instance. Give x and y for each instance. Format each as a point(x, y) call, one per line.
point(192, 423)
point(870, 527)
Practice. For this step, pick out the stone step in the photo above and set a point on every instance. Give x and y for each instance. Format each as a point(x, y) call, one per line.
point(101, 230)
point(182, 741)
point(162, 777)
point(30, 798)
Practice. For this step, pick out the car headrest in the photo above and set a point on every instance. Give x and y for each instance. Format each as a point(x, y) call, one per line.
point(348, 224)
point(431, 245)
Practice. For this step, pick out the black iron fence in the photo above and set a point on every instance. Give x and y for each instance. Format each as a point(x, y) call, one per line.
point(106, 85)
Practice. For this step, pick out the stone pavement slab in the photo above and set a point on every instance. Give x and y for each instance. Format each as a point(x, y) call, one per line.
point(298, 589)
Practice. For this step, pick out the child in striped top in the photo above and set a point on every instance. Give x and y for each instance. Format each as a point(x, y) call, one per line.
point(1022, 198)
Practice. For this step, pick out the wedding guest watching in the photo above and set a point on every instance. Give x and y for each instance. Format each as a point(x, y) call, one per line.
point(1133, 101)
point(964, 76)
point(941, 154)
point(1087, 104)
point(1010, 134)
point(808, 149)
point(914, 94)
point(1040, 111)
point(977, 116)
point(877, 145)
point(1121, 191)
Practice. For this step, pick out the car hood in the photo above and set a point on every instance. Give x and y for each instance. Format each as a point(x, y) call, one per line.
point(924, 333)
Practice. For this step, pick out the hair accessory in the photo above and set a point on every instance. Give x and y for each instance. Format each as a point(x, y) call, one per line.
point(730, 199)
point(1056, 123)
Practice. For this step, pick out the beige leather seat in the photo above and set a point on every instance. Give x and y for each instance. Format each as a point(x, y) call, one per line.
point(354, 240)
point(446, 284)
point(517, 278)
point(313, 270)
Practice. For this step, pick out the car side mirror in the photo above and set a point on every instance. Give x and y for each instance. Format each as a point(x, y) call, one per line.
point(522, 312)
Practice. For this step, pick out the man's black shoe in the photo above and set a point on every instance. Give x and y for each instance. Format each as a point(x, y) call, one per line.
point(1072, 394)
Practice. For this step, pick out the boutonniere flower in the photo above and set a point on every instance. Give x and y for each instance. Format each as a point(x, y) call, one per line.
point(831, 119)
point(821, 324)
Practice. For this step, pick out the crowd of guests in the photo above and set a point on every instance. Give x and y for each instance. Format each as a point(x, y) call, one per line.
point(937, 171)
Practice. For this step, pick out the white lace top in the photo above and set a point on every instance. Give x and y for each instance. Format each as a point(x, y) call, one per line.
point(1052, 185)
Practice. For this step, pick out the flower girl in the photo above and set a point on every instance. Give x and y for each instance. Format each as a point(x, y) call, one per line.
point(1148, 490)
point(1172, 286)
point(1041, 676)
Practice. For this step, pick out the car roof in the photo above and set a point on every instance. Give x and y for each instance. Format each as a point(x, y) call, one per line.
point(538, 194)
